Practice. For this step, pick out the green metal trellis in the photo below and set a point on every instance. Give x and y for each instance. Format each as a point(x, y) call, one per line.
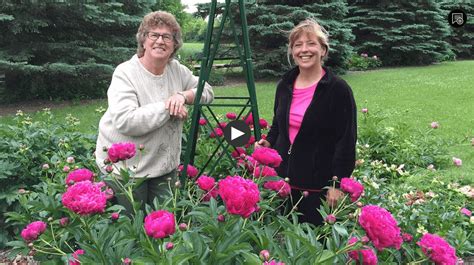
point(211, 46)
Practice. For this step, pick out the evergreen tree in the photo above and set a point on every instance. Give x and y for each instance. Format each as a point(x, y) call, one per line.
point(400, 32)
point(462, 38)
point(65, 50)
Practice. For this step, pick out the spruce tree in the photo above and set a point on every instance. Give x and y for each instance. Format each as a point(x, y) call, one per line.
point(462, 38)
point(400, 32)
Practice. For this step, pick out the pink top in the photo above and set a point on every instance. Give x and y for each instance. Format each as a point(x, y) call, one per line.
point(301, 99)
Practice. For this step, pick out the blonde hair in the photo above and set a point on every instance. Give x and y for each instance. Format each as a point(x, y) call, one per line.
point(157, 19)
point(308, 26)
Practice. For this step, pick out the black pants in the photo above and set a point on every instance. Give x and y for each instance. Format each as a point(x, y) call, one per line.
point(308, 206)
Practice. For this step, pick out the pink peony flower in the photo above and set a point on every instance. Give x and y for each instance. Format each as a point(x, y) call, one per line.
point(330, 219)
point(208, 184)
point(407, 237)
point(364, 110)
point(437, 249)
point(183, 227)
point(75, 255)
point(238, 152)
point(160, 224)
point(231, 116)
point(202, 121)
point(264, 171)
point(33, 230)
point(251, 163)
point(85, 198)
point(121, 151)
point(114, 216)
point(250, 142)
point(457, 161)
point(249, 119)
point(267, 156)
point(264, 255)
point(263, 123)
point(192, 171)
point(435, 125)
point(45, 167)
point(381, 227)
point(240, 195)
point(368, 255)
point(66, 169)
point(79, 175)
point(279, 186)
point(217, 132)
point(353, 187)
point(466, 212)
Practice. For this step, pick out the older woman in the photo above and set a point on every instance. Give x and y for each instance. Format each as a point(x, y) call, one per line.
point(146, 104)
point(314, 125)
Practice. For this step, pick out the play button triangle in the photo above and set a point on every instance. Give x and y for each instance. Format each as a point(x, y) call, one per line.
point(235, 133)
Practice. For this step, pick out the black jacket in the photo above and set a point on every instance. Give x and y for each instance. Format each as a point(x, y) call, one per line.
point(325, 144)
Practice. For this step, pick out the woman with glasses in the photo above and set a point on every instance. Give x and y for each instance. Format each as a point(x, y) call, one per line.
point(146, 106)
point(314, 126)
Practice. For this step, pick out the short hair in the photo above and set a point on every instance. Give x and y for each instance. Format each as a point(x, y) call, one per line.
point(308, 26)
point(156, 19)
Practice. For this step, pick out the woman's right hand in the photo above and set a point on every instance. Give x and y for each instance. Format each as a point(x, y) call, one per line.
point(261, 143)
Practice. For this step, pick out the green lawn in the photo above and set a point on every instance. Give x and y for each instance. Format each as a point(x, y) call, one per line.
point(413, 95)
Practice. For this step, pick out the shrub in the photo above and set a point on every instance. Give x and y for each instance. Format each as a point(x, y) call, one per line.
point(363, 62)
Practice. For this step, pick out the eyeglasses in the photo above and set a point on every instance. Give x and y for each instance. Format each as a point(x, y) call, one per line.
point(155, 36)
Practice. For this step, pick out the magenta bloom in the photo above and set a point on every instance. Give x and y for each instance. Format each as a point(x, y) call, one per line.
point(32, 231)
point(407, 237)
point(457, 161)
point(240, 195)
point(121, 151)
point(368, 255)
point(192, 171)
point(115, 216)
point(85, 198)
point(202, 121)
point(251, 163)
point(208, 184)
point(437, 249)
point(353, 187)
point(238, 152)
point(250, 142)
point(330, 219)
point(160, 224)
point(75, 256)
point(466, 212)
point(231, 116)
point(217, 132)
point(279, 186)
point(249, 119)
point(381, 227)
point(222, 124)
point(263, 123)
point(267, 156)
point(79, 175)
point(264, 171)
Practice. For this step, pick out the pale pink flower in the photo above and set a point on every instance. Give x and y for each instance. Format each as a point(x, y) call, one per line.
point(160, 224)
point(231, 115)
point(457, 161)
point(85, 198)
point(45, 167)
point(375, 57)
point(353, 187)
point(364, 110)
point(66, 169)
point(70, 160)
point(364, 55)
point(279, 186)
point(466, 212)
point(79, 175)
point(33, 230)
point(437, 249)
point(240, 195)
point(192, 171)
point(381, 227)
point(435, 125)
point(267, 156)
point(121, 151)
point(75, 256)
point(127, 261)
point(264, 255)
point(431, 167)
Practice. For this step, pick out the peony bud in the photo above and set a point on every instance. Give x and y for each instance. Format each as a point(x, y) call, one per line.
point(177, 184)
point(45, 166)
point(169, 246)
point(330, 219)
point(305, 193)
point(70, 160)
point(435, 125)
point(365, 240)
point(30, 245)
point(127, 261)
point(431, 167)
point(66, 169)
point(50, 219)
point(141, 147)
point(359, 204)
point(221, 218)
point(457, 161)
point(109, 169)
point(287, 179)
point(264, 255)
point(334, 178)
point(114, 216)
point(21, 191)
point(183, 226)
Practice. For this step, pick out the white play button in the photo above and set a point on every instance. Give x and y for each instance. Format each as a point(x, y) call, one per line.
point(235, 133)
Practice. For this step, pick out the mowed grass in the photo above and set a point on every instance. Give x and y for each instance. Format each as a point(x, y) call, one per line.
point(416, 96)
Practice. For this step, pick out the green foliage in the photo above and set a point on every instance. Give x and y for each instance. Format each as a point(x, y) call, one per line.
point(53, 50)
point(28, 145)
point(461, 39)
point(363, 62)
point(400, 32)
